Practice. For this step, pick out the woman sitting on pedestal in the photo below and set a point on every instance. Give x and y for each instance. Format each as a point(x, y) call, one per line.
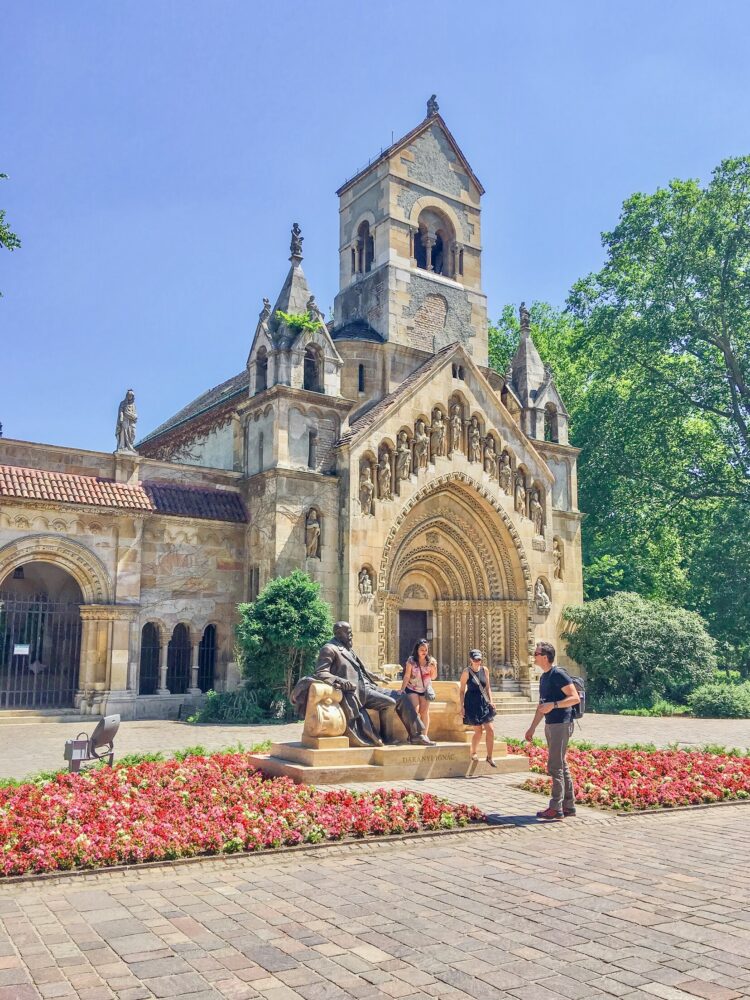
point(419, 672)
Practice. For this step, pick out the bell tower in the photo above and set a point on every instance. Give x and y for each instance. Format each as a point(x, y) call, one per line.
point(410, 250)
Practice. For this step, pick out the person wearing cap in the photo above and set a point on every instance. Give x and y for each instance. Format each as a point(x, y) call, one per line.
point(557, 696)
point(477, 704)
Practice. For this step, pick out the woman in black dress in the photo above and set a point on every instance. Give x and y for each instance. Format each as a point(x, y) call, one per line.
point(477, 705)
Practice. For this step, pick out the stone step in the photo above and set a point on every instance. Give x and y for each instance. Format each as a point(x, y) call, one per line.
point(389, 763)
point(30, 716)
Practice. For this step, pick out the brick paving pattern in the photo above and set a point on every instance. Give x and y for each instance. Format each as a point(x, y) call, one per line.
point(640, 907)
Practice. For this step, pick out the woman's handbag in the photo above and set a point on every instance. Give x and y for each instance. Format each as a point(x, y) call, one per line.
point(429, 692)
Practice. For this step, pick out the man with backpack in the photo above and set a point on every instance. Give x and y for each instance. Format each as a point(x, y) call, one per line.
point(558, 696)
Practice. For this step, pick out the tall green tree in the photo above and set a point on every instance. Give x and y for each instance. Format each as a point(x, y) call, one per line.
point(652, 357)
point(670, 312)
point(280, 633)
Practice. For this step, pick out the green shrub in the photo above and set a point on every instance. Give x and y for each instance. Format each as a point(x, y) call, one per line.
point(280, 633)
point(196, 751)
point(658, 709)
point(721, 701)
point(230, 706)
point(639, 649)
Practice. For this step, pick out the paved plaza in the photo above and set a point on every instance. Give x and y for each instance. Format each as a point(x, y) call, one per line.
point(653, 906)
point(33, 747)
point(599, 906)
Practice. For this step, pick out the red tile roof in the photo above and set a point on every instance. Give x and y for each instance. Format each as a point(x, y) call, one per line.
point(151, 497)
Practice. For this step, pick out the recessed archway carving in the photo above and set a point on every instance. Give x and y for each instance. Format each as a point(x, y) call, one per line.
point(86, 568)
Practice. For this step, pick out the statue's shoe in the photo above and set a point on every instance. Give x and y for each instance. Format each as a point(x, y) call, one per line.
point(422, 741)
point(359, 742)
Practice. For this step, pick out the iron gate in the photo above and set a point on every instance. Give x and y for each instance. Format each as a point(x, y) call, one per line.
point(40, 648)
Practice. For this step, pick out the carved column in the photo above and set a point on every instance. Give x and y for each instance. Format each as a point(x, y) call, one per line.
point(163, 661)
point(194, 666)
point(428, 242)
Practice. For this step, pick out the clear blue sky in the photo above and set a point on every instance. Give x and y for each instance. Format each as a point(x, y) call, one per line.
point(159, 151)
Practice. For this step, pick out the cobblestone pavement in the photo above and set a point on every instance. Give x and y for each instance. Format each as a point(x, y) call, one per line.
point(28, 749)
point(638, 907)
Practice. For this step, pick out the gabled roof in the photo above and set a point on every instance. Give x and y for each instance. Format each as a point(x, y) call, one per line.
point(373, 415)
point(215, 397)
point(435, 119)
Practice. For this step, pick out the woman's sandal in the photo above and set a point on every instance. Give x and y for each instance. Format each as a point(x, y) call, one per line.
point(474, 757)
point(491, 762)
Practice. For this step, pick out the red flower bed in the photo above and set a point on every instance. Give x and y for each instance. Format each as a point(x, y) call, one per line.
point(202, 805)
point(646, 779)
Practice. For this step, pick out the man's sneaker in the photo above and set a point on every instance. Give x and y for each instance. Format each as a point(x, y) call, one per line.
point(549, 814)
point(569, 812)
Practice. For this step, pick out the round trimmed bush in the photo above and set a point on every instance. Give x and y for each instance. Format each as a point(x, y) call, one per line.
point(721, 701)
point(642, 649)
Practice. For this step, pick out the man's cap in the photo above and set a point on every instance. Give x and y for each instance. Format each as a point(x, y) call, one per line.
point(475, 654)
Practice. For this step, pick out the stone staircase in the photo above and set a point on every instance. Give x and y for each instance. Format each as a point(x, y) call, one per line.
point(31, 716)
point(509, 699)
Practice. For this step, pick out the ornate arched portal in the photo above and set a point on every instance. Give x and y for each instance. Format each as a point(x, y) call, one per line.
point(454, 556)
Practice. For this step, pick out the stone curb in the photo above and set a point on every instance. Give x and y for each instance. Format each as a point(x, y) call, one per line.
point(244, 855)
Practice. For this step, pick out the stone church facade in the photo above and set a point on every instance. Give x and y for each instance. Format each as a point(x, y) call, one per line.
point(427, 494)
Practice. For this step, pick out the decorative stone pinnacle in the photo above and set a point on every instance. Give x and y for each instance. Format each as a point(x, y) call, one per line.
point(525, 318)
point(432, 107)
point(296, 244)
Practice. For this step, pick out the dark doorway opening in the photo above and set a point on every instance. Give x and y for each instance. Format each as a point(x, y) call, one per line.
point(412, 626)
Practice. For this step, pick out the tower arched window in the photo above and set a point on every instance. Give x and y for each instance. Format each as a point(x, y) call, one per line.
point(550, 423)
point(312, 449)
point(434, 244)
point(312, 366)
point(365, 249)
point(261, 370)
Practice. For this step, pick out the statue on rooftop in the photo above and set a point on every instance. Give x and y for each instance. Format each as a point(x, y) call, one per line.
point(525, 317)
point(313, 309)
point(432, 106)
point(297, 238)
point(126, 421)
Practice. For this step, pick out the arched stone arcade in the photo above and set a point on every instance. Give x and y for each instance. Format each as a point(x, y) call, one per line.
point(454, 569)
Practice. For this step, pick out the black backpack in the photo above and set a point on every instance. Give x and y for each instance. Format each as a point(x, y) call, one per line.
point(579, 709)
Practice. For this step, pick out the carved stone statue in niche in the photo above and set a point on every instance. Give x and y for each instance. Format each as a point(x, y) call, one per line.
point(365, 582)
point(437, 434)
point(126, 421)
point(536, 513)
point(385, 491)
point(557, 556)
point(475, 441)
point(490, 456)
point(403, 456)
point(366, 490)
point(520, 501)
point(312, 535)
point(457, 425)
point(421, 445)
point(541, 598)
point(506, 474)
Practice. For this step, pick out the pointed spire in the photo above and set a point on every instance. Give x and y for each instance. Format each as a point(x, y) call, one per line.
point(526, 366)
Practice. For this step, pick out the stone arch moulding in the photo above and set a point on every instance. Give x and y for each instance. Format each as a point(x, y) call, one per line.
point(439, 205)
point(83, 565)
point(440, 482)
point(475, 490)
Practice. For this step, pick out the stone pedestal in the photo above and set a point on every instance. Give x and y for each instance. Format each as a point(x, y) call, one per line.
point(330, 762)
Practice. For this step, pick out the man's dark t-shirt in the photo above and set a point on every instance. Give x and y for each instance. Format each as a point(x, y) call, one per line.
point(551, 685)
